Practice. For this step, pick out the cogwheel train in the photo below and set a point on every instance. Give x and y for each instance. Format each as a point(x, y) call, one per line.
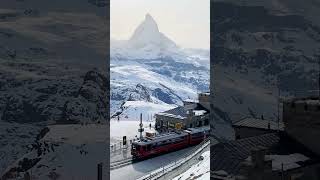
point(167, 142)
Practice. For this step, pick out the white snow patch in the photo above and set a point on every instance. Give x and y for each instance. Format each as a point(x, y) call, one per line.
point(199, 171)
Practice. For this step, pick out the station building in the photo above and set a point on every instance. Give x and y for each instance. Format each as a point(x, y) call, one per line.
point(267, 150)
point(193, 113)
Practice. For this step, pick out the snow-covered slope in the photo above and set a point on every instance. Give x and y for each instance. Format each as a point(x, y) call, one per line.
point(149, 67)
point(65, 152)
point(199, 171)
point(52, 71)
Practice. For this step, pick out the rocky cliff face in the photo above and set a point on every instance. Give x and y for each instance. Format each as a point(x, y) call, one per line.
point(53, 70)
point(283, 45)
point(59, 94)
point(90, 103)
point(261, 49)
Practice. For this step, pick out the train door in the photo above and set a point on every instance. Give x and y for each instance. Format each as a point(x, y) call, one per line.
point(148, 147)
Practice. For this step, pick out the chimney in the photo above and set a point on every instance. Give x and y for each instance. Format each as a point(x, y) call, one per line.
point(258, 156)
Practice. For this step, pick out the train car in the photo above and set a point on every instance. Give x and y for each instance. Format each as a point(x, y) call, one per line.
point(163, 143)
point(197, 135)
point(159, 144)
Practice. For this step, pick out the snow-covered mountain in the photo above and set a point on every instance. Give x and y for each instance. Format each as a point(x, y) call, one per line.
point(52, 71)
point(258, 47)
point(147, 34)
point(151, 68)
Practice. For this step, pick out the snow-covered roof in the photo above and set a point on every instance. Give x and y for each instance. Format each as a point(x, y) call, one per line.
point(191, 100)
point(312, 100)
point(229, 155)
point(199, 129)
point(205, 93)
point(259, 124)
point(199, 112)
point(290, 161)
point(182, 112)
point(172, 115)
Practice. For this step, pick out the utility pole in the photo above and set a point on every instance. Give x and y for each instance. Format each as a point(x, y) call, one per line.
point(318, 56)
point(278, 104)
point(141, 127)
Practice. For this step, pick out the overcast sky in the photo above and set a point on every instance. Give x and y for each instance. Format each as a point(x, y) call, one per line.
point(186, 22)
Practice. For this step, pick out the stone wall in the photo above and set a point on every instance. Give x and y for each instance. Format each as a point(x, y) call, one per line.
point(302, 122)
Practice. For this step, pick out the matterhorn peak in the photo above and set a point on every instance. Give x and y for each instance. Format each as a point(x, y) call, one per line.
point(148, 28)
point(148, 33)
point(148, 17)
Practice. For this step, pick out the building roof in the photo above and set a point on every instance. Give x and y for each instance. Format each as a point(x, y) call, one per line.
point(181, 112)
point(303, 100)
point(198, 129)
point(205, 93)
point(259, 124)
point(227, 156)
point(191, 100)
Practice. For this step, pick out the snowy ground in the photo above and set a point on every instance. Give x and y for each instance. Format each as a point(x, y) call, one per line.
point(199, 171)
point(118, 129)
point(133, 109)
point(68, 152)
point(77, 134)
point(136, 170)
point(14, 141)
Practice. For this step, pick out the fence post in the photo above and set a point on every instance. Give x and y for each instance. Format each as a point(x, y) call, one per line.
point(100, 171)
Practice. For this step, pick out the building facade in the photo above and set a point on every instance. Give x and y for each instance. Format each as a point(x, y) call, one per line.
point(191, 114)
point(301, 117)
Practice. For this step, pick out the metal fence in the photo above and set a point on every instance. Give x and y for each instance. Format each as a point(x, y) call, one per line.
point(119, 146)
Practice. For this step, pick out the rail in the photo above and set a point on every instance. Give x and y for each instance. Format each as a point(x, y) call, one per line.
point(120, 163)
point(175, 164)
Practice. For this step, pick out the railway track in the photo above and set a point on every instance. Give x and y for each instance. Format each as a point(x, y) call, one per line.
point(121, 163)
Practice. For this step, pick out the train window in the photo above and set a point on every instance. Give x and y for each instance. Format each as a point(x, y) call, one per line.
point(179, 139)
point(166, 142)
point(154, 145)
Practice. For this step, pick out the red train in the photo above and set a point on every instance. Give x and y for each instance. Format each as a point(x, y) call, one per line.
point(163, 143)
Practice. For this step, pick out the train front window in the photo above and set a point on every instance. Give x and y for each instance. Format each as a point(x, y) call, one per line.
point(135, 147)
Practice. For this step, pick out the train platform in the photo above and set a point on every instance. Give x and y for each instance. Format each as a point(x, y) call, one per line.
point(120, 154)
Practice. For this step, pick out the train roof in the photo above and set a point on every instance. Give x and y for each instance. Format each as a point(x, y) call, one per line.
point(170, 135)
point(160, 137)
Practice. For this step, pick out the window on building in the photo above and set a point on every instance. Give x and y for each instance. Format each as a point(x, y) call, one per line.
point(200, 123)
